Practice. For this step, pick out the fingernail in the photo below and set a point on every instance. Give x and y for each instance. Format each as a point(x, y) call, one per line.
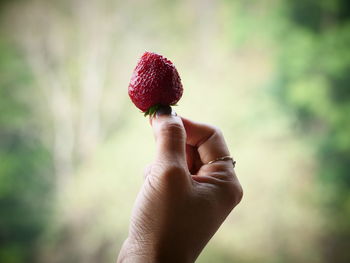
point(164, 110)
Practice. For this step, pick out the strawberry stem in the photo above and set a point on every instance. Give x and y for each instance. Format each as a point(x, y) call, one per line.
point(152, 110)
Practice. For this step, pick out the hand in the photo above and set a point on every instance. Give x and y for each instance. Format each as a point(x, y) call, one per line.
point(183, 200)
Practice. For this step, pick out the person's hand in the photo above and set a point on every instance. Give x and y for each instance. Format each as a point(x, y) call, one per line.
point(183, 200)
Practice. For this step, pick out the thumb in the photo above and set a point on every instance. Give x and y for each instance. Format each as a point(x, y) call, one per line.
point(170, 137)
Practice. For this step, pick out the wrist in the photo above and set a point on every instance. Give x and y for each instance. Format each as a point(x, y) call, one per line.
point(133, 251)
point(145, 252)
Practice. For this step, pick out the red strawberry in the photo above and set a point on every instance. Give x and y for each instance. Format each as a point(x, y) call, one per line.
point(155, 82)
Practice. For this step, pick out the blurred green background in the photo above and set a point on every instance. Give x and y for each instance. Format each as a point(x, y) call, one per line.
point(273, 75)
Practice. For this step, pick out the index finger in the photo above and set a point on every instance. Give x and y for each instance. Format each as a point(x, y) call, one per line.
point(208, 140)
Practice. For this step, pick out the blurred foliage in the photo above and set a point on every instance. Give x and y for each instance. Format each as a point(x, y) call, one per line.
point(315, 83)
point(25, 172)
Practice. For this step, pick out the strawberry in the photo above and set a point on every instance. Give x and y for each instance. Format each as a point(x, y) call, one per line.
point(155, 82)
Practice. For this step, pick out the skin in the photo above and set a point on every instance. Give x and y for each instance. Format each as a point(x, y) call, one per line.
point(183, 200)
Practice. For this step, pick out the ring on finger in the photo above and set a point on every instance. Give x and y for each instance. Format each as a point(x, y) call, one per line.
point(223, 158)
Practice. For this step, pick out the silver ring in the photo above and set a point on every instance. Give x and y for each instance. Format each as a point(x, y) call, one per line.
point(224, 158)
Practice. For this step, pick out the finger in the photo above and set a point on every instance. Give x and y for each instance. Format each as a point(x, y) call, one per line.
point(193, 160)
point(170, 137)
point(208, 140)
point(189, 157)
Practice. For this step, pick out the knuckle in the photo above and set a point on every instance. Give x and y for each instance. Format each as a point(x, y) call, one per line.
point(173, 175)
point(173, 170)
point(168, 177)
point(216, 130)
point(240, 193)
point(230, 173)
point(234, 193)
